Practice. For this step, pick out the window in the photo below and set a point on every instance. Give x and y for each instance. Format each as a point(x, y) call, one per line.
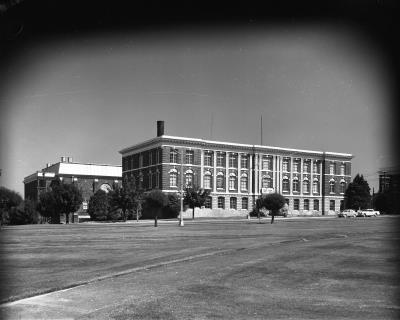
point(244, 161)
point(220, 159)
point(296, 185)
point(296, 165)
point(221, 202)
point(332, 186)
point(157, 179)
point(140, 160)
point(233, 203)
point(331, 168)
point(189, 156)
point(158, 156)
point(315, 167)
point(243, 183)
point(172, 179)
point(266, 163)
point(306, 204)
point(266, 182)
point(208, 159)
point(245, 203)
point(285, 165)
point(306, 166)
point(150, 158)
point(207, 181)
point(342, 187)
point(316, 204)
point(208, 203)
point(233, 160)
point(332, 205)
point(150, 180)
point(220, 181)
point(188, 179)
point(285, 185)
point(287, 201)
point(315, 186)
point(341, 204)
point(342, 169)
point(173, 156)
point(296, 204)
point(232, 182)
point(306, 186)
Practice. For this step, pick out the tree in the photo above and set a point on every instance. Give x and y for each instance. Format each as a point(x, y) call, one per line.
point(24, 213)
point(98, 207)
point(358, 195)
point(195, 197)
point(273, 202)
point(154, 202)
point(62, 198)
point(8, 199)
point(123, 199)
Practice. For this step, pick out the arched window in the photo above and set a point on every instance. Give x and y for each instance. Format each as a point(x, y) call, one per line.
point(207, 181)
point(233, 203)
point(306, 186)
point(189, 179)
point(296, 185)
point(285, 185)
point(315, 186)
point(173, 178)
point(332, 186)
point(342, 186)
point(243, 182)
point(232, 182)
point(221, 202)
point(220, 180)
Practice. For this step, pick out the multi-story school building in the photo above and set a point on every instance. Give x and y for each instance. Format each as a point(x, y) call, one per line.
point(237, 174)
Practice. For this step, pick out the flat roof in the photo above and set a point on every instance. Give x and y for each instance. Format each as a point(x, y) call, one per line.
point(203, 141)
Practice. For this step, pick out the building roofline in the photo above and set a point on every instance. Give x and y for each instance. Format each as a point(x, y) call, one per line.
point(203, 141)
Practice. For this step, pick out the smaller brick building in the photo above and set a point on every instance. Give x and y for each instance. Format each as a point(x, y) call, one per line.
point(88, 177)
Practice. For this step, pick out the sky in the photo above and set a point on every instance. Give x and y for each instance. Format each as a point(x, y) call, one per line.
point(318, 87)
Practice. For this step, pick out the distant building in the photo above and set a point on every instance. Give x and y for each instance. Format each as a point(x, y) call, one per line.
point(389, 178)
point(237, 174)
point(88, 177)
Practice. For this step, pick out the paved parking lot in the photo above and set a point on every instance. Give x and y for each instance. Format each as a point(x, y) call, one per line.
point(327, 268)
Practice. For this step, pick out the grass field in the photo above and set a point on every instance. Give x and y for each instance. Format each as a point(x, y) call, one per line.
point(232, 269)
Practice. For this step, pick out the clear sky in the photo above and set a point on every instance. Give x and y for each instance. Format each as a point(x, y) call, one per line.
point(317, 87)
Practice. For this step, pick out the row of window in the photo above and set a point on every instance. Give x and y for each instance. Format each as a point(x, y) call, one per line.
point(232, 203)
point(306, 204)
point(315, 186)
point(266, 182)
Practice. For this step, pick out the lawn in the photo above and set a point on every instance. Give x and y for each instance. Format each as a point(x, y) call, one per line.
point(312, 268)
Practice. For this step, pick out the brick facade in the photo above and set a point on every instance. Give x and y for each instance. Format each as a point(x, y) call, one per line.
point(232, 185)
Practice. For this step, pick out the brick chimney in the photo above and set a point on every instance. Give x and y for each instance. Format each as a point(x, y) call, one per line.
point(160, 128)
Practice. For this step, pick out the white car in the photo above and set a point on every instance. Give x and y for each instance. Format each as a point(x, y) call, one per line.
point(368, 213)
point(347, 213)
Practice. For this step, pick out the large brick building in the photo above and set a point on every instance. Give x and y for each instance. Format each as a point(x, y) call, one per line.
point(88, 177)
point(236, 174)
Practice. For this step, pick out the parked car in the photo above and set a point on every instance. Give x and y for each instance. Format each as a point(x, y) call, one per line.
point(368, 213)
point(347, 213)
